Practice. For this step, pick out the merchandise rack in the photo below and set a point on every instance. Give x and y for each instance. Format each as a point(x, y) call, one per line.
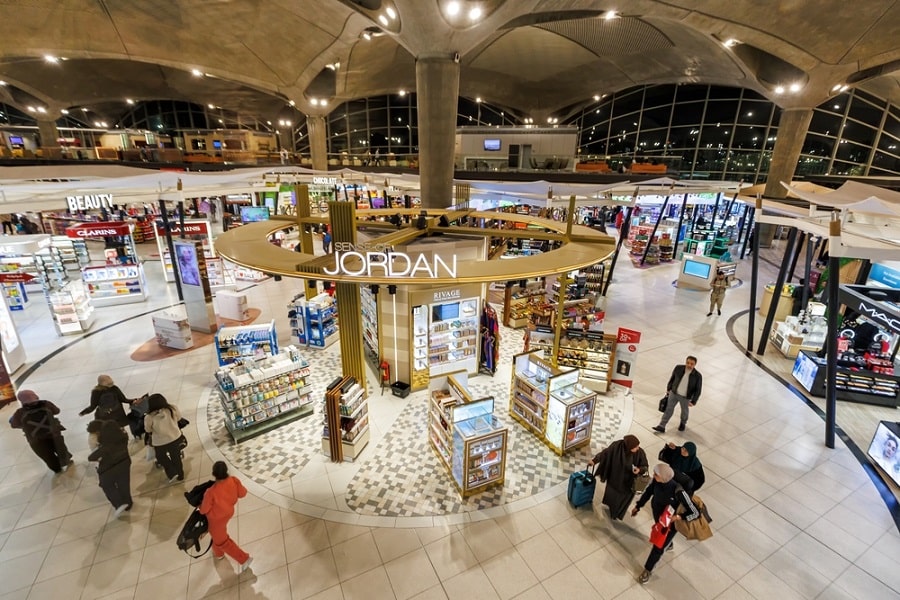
point(261, 395)
point(114, 284)
point(520, 305)
point(321, 321)
point(234, 344)
point(465, 435)
point(71, 308)
point(369, 305)
point(592, 353)
point(346, 410)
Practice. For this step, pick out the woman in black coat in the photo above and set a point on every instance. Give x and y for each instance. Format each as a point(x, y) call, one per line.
point(684, 460)
point(662, 493)
point(618, 465)
point(114, 468)
point(106, 402)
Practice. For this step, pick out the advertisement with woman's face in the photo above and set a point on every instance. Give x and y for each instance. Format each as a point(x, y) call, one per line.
point(187, 264)
point(885, 451)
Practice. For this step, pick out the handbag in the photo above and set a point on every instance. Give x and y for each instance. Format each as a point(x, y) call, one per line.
point(699, 528)
point(182, 423)
point(663, 402)
point(640, 483)
point(660, 530)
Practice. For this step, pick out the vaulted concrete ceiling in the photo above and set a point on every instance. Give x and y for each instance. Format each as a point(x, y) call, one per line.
point(256, 56)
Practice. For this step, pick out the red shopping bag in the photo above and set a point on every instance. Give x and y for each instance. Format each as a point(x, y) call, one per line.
point(660, 530)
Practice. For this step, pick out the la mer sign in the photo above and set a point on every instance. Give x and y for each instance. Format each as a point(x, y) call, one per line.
point(91, 201)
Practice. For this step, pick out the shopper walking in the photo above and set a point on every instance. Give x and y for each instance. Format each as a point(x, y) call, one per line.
point(43, 431)
point(683, 459)
point(684, 389)
point(161, 422)
point(618, 465)
point(717, 293)
point(114, 468)
point(106, 402)
point(662, 493)
point(218, 506)
point(326, 242)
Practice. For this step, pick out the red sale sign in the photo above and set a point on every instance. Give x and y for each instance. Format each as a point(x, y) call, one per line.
point(627, 343)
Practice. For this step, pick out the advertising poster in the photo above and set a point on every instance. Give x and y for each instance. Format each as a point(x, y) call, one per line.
point(627, 343)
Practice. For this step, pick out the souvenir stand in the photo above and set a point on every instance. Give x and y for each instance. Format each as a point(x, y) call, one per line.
point(465, 435)
point(121, 279)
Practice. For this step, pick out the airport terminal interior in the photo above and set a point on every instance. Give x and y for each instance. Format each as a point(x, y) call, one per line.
point(697, 90)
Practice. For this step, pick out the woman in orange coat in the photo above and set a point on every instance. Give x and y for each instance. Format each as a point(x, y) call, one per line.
point(218, 506)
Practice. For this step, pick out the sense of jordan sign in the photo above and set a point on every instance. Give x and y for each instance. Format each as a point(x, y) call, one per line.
point(380, 260)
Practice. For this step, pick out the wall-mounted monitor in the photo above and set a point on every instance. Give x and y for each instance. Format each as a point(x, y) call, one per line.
point(14, 139)
point(696, 268)
point(444, 312)
point(885, 449)
point(217, 144)
point(251, 214)
point(492, 145)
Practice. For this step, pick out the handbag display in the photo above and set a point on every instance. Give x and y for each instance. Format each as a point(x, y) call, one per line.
point(663, 402)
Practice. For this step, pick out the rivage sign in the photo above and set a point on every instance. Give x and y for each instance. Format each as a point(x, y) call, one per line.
point(363, 262)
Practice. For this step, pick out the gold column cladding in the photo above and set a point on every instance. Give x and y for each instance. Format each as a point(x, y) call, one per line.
point(343, 230)
point(301, 196)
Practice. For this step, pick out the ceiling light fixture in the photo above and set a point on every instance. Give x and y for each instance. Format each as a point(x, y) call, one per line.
point(596, 97)
point(97, 124)
point(730, 42)
point(129, 101)
point(836, 87)
point(210, 105)
point(402, 93)
point(795, 87)
point(367, 36)
point(391, 12)
point(323, 102)
point(292, 103)
point(610, 14)
point(64, 111)
point(474, 13)
point(314, 101)
point(31, 109)
point(452, 9)
point(196, 72)
point(779, 89)
point(2, 83)
point(383, 20)
point(50, 58)
point(84, 109)
point(41, 109)
point(478, 99)
point(844, 88)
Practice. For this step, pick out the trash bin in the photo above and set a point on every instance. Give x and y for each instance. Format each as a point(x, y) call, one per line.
point(400, 389)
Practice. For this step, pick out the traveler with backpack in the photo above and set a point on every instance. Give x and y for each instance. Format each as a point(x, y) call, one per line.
point(161, 422)
point(106, 402)
point(114, 469)
point(218, 506)
point(37, 419)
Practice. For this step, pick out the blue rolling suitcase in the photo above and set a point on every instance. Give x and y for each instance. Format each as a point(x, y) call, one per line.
point(581, 488)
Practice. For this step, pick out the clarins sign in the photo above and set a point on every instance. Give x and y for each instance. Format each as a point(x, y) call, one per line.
point(89, 202)
point(383, 261)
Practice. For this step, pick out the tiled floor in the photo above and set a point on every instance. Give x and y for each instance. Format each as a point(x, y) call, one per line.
point(792, 519)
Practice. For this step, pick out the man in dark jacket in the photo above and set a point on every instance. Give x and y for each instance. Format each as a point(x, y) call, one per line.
point(683, 388)
point(37, 419)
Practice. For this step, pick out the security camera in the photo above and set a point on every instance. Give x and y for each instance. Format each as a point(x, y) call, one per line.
point(456, 57)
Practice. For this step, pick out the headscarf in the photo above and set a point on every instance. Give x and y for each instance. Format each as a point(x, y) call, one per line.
point(689, 463)
point(664, 472)
point(631, 442)
point(27, 397)
point(105, 381)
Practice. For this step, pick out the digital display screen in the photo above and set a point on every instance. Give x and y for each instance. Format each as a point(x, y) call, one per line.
point(492, 145)
point(14, 139)
point(217, 144)
point(884, 450)
point(805, 370)
point(251, 214)
point(188, 266)
point(696, 269)
point(377, 202)
point(444, 312)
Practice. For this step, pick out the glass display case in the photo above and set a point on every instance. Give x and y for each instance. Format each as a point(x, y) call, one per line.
point(570, 413)
point(71, 308)
point(453, 337)
point(793, 335)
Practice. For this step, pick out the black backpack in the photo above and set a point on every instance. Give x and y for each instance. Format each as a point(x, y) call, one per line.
point(38, 422)
point(196, 525)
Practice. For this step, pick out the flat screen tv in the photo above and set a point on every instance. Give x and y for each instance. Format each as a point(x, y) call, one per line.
point(444, 312)
point(188, 263)
point(492, 145)
point(14, 139)
point(696, 269)
point(251, 214)
point(885, 449)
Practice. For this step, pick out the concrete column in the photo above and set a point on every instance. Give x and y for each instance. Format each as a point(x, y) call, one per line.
point(437, 90)
point(49, 134)
point(791, 134)
point(318, 144)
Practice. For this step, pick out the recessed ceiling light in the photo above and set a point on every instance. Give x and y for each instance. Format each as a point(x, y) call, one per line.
point(383, 20)
point(129, 101)
point(50, 58)
point(64, 111)
point(211, 105)
point(795, 87)
point(367, 36)
point(844, 88)
point(779, 89)
point(314, 101)
point(268, 122)
point(391, 12)
point(196, 72)
point(610, 14)
point(84, 109)
point(2, 83)
point(478, 99)
point(474, 13)
point(836, 87)
point(452, 9)
point(323, 102)
point(596, 97)
point(837, 107)
point(31, 109)
point(402, 93)
point(292, 103)
point(41, 109)
point(730, 42)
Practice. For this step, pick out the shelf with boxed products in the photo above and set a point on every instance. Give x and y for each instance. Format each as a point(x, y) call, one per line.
point(250, 341)
point(71, 308)
point(346, 411)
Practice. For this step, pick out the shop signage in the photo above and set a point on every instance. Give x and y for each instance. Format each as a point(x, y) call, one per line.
point(348, 260)
point(15, 277)
point(93, 201)
point(324, 180)
point(879, 316)
point(189, 229)
point(451, 295)
point(94, 230)
point(627, 343)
